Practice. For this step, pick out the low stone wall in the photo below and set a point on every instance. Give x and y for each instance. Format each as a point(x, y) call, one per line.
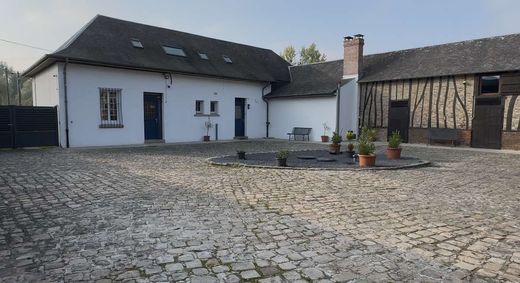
point(511, 140)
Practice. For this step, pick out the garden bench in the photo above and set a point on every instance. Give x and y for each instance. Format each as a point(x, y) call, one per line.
point(439, 134)
point(299, 131)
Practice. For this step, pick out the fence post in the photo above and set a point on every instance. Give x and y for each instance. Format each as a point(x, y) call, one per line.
point(19, 88)
point(7, 86)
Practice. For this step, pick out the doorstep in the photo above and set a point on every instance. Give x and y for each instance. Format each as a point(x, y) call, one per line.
point(154, 141)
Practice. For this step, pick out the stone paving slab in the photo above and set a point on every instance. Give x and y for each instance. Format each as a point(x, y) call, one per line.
point(159, 214)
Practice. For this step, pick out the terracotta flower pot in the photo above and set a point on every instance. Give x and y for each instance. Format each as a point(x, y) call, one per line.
point(367, 160)
point(350, 147)
point(393, 153)
point(206, 138)
point(335, 148)
point(324, 138)
point(282, 162)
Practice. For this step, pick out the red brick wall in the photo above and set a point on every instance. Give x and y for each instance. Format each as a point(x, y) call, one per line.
point(511, 140)
point(417, 135)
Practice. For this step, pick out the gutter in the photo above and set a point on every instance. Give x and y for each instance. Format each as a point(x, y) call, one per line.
point(66, 103)
point(338, 108)
point(267, 123)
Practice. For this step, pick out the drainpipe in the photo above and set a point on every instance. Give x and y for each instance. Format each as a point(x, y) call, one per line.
point(338, 100)
point(267, 123)
point(66, 102)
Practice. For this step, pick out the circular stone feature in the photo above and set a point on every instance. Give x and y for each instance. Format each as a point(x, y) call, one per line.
point(322, 161)
point(306, 157)
point(325, 159)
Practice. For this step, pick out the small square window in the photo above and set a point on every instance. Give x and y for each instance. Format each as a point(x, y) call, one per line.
point(213, 107)
point(489, 84)
point(174, 51)
point(203, 56)
point(227, 59)
point(136, 43)
point(199, 107)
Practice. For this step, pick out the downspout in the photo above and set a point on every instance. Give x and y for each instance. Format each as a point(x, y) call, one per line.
point(66, 102)
point(267, 123)
point(338, 100)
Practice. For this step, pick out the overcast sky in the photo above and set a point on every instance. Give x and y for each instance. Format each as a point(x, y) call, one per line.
point(387, 25)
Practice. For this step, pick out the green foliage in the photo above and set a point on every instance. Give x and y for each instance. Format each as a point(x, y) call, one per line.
point(366, 144)
point(336, 138)
point(311, 54)
point(13, 81)
point(394, 140)
point(289, 54)
point(349, 135)
point(282, 154)
point(307, 55)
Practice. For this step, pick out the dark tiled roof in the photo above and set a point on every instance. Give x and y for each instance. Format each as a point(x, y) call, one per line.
point(487, 55)
point(318, 79)
point(107, 41)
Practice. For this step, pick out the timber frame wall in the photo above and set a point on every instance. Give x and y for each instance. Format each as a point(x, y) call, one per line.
point(437, 102)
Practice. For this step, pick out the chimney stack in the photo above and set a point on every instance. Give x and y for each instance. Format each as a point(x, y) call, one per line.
point(352, 55)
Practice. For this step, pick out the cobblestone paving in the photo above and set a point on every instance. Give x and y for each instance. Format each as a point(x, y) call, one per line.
point(163, 214)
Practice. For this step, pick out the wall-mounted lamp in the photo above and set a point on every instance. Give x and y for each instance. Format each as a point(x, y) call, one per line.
point(248, 106)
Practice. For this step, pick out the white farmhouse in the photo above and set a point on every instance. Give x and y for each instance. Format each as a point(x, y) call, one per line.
point(120, 83)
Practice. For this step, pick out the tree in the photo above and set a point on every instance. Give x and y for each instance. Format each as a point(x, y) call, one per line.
point(10, 96)
point(289, 54)
point(307, 55)
point(311, 54)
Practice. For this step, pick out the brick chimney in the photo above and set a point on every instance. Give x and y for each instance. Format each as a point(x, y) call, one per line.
point(353, 55)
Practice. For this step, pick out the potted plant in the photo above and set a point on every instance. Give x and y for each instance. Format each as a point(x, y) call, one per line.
point(326, 128)
point(366, 148)
point(350, 136)
point(281, 157)
point(241, 154)
point(208, 125)
point(393, 151)
point(335, 146)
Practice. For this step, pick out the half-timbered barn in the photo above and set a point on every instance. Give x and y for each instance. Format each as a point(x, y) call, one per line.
point(470, 86)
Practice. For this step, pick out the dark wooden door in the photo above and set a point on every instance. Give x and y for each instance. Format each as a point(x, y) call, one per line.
point(488, 122)
point(152, 116)
point(398, 118)
point(240, 121)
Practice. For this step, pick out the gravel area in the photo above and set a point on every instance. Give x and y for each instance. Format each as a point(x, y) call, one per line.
point(322, 160)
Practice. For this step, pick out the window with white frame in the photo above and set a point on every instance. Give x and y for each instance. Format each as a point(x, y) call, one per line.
point(213, 107)
point(110, 108)
point(199, 107)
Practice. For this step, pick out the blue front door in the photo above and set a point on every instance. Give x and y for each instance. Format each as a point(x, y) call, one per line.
point(152, 116)
point(240, 117)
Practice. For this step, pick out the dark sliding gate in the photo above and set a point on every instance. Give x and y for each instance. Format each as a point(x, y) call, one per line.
point(28, 126)
point(487, 122)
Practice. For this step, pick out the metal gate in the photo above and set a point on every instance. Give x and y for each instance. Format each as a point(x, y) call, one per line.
point(488, 122)
point(398, 118)
point(28, 126)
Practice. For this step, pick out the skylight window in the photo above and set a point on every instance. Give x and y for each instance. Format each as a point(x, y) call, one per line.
point(203, 56)
point(136, 43)
point(174, 51)
point(227, 59)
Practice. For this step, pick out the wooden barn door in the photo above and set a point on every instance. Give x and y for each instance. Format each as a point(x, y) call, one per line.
point(488, 122)
point(398, 118)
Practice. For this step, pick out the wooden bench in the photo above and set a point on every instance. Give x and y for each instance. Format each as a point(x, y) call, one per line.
point(299, 131)
point(440, 134)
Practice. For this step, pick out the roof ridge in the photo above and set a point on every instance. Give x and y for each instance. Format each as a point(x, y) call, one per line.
point(444, 44)
point(188, 33)
point(303, 65)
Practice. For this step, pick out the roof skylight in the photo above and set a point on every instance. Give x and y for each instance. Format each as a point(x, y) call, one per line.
point(174, 51)
point(203, 56)
point(136, 43)
point(227, 59)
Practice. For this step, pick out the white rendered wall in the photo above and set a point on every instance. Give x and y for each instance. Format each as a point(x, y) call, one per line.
point(179, 122)
point(286, 113)
point(348, 114)
point(46, 87)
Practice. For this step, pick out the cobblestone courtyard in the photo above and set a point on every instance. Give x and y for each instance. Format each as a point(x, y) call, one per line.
point(163, 214)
